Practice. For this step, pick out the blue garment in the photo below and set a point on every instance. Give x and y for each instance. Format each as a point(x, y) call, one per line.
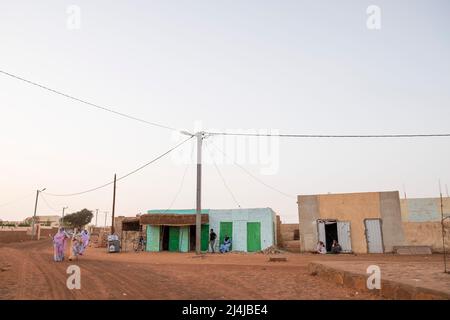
point(225, 247)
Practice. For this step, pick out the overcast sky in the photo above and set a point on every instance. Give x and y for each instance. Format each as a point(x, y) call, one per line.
point(309, 67)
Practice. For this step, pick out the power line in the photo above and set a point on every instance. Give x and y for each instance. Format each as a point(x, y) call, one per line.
point(122, 177)
point(47, 204)
point(256, 178)
point(223, 179)
point(181, 184)
point(17, 199)
point(88, 103)
point(331, 135)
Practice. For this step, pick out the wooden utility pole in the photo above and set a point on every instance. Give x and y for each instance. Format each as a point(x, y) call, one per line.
point(62, 218)
point(198, 216)
point(34, 215)
point(114, 205)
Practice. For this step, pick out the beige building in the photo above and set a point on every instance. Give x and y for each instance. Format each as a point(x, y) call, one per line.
point(422, 222)
point(50, 221)
point(368, 222)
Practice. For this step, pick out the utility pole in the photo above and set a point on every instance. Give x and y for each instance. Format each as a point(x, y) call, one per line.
point(64, 208)
point(114, 205)
point(198, 216)
point(106, 215)
point(96, 215)
point(34, 215)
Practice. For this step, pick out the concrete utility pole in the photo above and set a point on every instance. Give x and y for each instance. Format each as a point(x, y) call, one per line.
point(198, 216)
point(34, 215)
point(106, 215)
point(64, 208)
point(96, 215)
point(114, 205)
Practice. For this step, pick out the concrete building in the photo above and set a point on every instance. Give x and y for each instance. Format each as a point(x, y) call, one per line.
point(422, 222)
point(250, 230)
point(367, 222)
point(49, 221)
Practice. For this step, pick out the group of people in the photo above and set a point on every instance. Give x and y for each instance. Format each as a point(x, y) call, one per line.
point(335, 247)
point(79, 241)
point(223, 247)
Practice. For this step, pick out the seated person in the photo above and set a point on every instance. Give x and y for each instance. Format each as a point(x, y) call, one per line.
point(225, 247)
point(336, 247)
point(321, 248)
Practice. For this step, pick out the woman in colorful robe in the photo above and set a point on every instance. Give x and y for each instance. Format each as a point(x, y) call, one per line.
point(59, 244)
point(84, 241)
point(76, 246)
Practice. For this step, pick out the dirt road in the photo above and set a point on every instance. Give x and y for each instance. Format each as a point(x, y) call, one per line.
point(30, 273)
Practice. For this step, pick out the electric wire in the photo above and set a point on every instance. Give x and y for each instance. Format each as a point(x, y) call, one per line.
point(88, 103)
point(17, 199)
point(255, 177)
point(223, 179)
point(48, 204)
point(330, 135)
point(181, 184)
point(122, 177)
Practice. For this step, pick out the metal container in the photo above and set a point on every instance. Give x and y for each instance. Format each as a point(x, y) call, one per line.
point(113, 246)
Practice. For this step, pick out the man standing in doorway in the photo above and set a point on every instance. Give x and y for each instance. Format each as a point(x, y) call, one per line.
point(212, 240)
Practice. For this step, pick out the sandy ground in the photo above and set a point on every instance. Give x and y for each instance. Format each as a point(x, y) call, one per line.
point(428, 273)
point(30, 273)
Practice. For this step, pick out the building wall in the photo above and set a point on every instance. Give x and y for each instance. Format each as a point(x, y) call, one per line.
point(391, 218)
point(424, 209)
point(308, 213)
point(352, 207)
point(422, 222)
point(240, 217)
point(427, 234)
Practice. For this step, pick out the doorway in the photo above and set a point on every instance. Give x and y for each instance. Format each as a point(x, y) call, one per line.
point(330, 234)
point(164, 238)
point(329, 230)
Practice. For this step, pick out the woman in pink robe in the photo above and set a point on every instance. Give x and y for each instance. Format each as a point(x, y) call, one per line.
point(59, 244)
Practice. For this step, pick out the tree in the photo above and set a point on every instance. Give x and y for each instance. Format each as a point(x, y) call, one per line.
point(78, 219)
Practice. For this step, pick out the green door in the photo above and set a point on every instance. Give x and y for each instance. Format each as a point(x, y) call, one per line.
point(205, 237)
point(253, 236)
point(153, 238)
point(174, 238)
point(226, 229)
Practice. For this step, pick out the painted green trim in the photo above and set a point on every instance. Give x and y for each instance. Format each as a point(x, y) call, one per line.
point(253, 236)
point(174, 211)
point(204, 237)
point(153, 238)
point(174, 238)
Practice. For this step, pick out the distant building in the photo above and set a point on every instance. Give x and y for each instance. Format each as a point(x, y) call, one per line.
point(372, 222)
point(368, 222)
point(250, 230)
point(422, 221)
point(50, 221)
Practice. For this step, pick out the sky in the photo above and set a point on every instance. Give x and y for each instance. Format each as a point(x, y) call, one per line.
point(306, 67)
